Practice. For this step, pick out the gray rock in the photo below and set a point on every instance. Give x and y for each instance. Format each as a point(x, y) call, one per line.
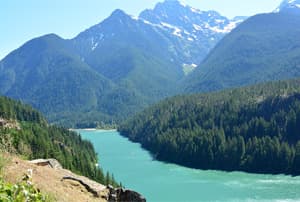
point(53, 163)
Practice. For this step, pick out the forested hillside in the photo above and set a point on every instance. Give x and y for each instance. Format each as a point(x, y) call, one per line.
point(25, 132)
point(253, 129)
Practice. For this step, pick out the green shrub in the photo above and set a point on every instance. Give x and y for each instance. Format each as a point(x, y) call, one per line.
point(20, 192)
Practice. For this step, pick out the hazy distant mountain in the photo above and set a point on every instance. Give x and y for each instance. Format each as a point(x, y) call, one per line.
point(289, 6)
point(263, 48)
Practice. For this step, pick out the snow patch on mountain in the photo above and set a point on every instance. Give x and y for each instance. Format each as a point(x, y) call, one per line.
point(182, 4)
point(96, 40)
point(134, 17)
point(195, 10)
point(197, 27)
point(181, 20)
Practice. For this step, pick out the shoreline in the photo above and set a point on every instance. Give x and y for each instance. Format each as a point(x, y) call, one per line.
point(92, 129)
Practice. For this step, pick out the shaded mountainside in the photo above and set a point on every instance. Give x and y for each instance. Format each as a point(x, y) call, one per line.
point(24, 131)
point(48, 74)
point(253, 129)
point(263, 48)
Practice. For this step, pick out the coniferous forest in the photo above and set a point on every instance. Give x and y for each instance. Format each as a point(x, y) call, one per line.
point(24, 131)
point(253, 129)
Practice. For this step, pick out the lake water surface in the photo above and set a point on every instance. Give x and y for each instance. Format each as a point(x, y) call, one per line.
point(162, 182)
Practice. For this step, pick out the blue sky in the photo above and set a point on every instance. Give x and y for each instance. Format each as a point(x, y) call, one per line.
point(22, 20)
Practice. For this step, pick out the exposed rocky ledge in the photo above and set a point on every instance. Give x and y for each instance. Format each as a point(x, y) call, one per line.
point(97, 190)
point(50, 178)
point(91, 186)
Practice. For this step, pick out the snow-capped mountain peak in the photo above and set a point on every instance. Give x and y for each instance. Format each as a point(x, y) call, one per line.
point(190, 20)
point(193, 26)
point(188, 33)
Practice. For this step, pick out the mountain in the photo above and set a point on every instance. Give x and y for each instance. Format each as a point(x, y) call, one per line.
point(289, 6)
point(112, 69)
point(73, 81)
point(197, 31)
point(252, 129)
point(48, 74)
point(265, 47)
point(131, 53)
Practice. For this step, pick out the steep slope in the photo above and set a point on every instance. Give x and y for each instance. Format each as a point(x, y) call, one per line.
point(253, 129)
point(64, 163)
point(24, 131)
point(263, 48)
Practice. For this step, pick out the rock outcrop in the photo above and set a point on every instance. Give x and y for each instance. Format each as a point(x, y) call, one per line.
point(124, 195)
point(52, 163)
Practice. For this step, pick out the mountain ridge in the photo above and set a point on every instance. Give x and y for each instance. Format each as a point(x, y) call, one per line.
point(124, 63)
point(105, 73)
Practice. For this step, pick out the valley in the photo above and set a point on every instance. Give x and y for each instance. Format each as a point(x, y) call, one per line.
point(189, 102)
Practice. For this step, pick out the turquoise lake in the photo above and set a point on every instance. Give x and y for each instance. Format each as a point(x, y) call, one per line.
point(162, 182)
